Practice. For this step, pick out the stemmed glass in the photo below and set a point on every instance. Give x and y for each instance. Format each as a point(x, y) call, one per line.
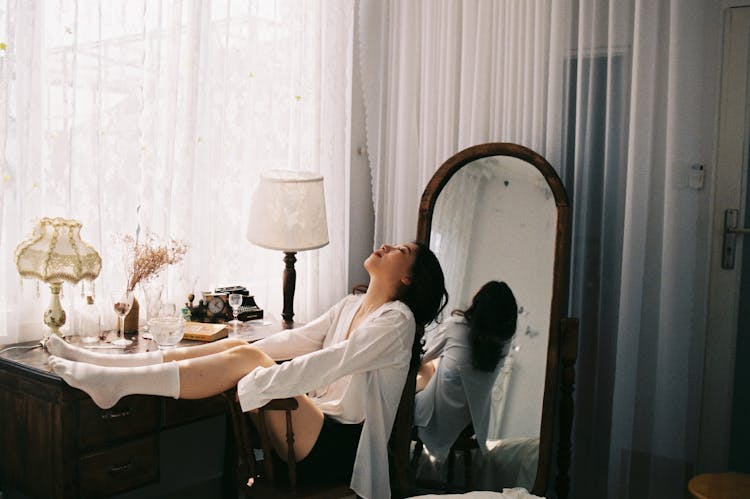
point(235, 301)
point(122, 303)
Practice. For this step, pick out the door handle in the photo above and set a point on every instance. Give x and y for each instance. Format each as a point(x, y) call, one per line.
point(731, 231)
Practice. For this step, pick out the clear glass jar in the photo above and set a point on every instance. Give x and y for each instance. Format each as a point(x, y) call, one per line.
point(89, 325)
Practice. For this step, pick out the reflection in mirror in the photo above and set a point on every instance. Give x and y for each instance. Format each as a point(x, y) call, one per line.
point(495, 219)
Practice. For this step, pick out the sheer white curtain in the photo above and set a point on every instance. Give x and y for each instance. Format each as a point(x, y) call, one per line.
point(176, 107)
point(620, 97)
point(450, 224)
point(440, 76)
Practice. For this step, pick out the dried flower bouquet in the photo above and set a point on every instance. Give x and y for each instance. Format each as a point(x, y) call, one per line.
point(150, 256)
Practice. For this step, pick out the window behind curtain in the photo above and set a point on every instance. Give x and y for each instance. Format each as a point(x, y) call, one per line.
point(176, 108)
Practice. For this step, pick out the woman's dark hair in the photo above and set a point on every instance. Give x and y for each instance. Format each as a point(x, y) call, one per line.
point(425, 296)
point(492, 320)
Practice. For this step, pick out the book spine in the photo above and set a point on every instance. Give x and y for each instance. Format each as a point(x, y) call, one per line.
point(198, 337)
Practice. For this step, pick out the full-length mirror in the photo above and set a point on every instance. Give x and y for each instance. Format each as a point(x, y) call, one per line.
point(499, 212)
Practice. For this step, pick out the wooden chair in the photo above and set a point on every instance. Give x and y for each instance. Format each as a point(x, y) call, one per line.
point(465, 443)
point(401, 472)
point(266, 484)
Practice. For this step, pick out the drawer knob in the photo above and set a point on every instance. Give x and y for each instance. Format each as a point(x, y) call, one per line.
point(114, 415)
point(120, 468)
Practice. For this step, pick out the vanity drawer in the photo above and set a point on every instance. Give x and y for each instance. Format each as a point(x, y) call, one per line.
point(120, 468)
point(177, 412)
point(131, 416)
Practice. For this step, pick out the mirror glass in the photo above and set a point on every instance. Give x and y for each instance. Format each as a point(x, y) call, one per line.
point(495, 219)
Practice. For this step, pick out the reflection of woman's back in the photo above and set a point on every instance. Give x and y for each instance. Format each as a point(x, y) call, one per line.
point(459, 369)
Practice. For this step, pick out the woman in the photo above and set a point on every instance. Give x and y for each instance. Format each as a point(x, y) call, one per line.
point(459, 369)
point(352, 361)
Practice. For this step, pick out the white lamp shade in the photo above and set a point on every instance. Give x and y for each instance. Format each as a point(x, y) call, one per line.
point(54, 252)
point(288, 212)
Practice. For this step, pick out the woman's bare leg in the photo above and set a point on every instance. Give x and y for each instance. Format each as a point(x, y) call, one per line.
point(205, 376)
point(192, 352)
point(208, 375)
point(307, 422)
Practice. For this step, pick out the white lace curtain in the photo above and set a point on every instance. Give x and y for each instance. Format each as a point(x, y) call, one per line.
point(176, 107)
point(614, 94)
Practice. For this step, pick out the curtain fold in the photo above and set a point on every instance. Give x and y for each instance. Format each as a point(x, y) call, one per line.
point(162, 115)
point(618, 96)
point(424, 100)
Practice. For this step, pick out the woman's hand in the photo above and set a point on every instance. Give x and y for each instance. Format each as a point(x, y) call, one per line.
point(425, 374)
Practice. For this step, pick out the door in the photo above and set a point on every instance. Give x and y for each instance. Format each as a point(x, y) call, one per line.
point(726, 396)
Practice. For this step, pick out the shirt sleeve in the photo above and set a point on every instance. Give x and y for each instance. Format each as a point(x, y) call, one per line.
point(295, 342)
point(437, 343)
point(384, 341)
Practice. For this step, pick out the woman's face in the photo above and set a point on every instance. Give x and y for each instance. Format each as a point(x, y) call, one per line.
point(392, 262)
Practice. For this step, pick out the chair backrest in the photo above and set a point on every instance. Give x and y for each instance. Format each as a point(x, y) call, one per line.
point(398, 446)
point(402, 476)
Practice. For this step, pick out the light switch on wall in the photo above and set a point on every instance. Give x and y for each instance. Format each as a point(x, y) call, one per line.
point(696, 177)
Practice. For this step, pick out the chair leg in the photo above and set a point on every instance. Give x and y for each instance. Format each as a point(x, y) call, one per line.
point(244, 447)
point(416, 454)
point(451, 465)
point(267, 459)
point(468, 483)
point(291, 458)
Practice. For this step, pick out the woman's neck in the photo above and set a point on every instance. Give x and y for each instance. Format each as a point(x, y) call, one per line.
point(376, 296)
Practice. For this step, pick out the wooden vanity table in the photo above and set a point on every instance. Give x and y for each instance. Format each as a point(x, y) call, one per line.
point(57, 443)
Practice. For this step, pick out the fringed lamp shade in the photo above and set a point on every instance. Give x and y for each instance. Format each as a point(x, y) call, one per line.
point(289, 214)
point(54, 253)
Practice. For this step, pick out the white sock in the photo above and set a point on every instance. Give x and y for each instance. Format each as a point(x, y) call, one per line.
point(60, 348)
point(107, 385)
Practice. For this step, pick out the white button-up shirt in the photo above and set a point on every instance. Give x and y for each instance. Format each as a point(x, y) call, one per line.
point(456, 395)
point(353, 380)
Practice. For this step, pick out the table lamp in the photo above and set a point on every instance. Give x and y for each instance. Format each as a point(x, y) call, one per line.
point(289, 214)
point(54, 253)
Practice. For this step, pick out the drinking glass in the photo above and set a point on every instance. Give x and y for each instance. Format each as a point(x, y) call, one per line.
point(235, 301)
point(167, 310)
point(122, 303)
point(167, 330)
point(152, 291)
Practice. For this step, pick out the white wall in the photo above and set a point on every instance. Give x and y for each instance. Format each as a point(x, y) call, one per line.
point(513, 241)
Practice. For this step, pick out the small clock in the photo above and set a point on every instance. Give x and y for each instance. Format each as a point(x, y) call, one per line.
point(218, 306)
point(214, 307)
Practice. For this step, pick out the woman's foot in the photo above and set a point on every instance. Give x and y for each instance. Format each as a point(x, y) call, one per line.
point(60, 348)
point(107, 385)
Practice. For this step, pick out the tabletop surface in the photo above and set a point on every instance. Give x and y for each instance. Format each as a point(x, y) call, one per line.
point(720, 486)
point(31, 355)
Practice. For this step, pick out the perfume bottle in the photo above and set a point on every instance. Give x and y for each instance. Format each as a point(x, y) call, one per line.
point(89, 322)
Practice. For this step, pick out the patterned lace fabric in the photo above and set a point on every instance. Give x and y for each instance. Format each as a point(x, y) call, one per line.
point(54, 252)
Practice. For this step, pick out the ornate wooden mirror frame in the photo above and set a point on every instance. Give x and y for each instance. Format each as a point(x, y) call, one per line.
point(562, 332)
